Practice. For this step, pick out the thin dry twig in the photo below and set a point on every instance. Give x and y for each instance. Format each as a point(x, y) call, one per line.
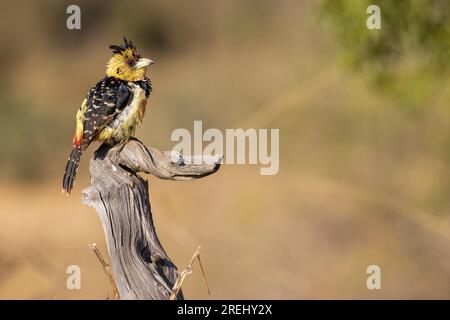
point(107, 270)
point(177, 286)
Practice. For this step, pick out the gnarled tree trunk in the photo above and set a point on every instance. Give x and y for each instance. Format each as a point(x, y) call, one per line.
point(141, 267)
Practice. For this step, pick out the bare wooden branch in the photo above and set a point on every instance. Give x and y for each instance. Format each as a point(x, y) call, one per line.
point(141, 267)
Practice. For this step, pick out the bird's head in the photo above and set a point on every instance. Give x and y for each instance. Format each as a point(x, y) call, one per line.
point(126, 64)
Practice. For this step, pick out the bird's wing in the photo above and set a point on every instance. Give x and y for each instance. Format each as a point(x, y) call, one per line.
point(102, 104)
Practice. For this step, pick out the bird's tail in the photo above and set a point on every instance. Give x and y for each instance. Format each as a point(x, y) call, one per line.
point(71, 169)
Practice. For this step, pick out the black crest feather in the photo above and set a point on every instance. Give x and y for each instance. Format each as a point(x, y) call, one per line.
point(119, 49)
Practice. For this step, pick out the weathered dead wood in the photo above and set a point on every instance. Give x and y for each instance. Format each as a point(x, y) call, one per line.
point(141, 267)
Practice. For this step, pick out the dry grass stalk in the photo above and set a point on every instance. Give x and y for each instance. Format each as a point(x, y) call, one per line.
point(107, 270)
point(183, 274)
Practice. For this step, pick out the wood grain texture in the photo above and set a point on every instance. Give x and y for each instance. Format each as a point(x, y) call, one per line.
point(141, 267)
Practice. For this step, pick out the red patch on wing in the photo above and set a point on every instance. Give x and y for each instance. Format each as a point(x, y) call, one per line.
point(77, 140)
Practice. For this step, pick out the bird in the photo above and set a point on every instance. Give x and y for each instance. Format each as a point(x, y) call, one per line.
point(114, 108)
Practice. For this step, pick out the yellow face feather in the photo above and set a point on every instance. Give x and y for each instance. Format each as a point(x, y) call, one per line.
point(126, 64)
point(123, 64)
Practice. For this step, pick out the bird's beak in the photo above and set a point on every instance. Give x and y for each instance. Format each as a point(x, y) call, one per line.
point(142, 63)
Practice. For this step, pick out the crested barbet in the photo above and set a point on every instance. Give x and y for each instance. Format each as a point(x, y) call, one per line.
point(113, 108)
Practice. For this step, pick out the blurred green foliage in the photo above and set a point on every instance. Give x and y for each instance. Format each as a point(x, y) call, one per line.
point(28, 140)
point(408, 58)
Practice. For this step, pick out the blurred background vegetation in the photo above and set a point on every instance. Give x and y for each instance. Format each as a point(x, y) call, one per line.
point(407, 58)
point(364, 142)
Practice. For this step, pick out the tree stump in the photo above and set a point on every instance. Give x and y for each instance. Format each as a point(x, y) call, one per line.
point(141, 267)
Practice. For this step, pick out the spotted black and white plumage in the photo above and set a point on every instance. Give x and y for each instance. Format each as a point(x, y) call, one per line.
point(103, 107)
point(113, 108)
point(111, 112)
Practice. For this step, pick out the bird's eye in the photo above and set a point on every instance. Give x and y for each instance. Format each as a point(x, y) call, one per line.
point(118, 70)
